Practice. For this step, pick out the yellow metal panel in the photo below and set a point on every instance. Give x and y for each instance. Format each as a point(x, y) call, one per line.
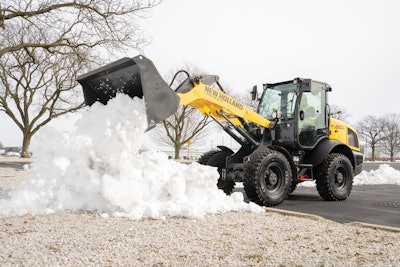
point(213, 102)
point(339, 131)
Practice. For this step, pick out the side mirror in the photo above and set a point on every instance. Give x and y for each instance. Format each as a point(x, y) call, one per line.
point(254, 93)
point(305, 85)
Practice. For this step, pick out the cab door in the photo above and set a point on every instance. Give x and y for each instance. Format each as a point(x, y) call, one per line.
point(312, 119)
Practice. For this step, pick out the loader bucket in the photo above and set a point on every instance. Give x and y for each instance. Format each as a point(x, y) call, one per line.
point(135, 77)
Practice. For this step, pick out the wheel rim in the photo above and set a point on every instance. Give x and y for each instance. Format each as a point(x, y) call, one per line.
point(341, 176)
point(273, 177)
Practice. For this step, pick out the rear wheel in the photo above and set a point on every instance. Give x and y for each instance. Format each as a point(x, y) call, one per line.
point(335, 177)
point(217, 158)
point(268, 177)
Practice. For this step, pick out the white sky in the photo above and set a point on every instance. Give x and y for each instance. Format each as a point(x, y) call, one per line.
point(352, 45)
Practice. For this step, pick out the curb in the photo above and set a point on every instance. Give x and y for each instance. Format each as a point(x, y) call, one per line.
point(375, 226)
point(319, 218)
point(297, 214)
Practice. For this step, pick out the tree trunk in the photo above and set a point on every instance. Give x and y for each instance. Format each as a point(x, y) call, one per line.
point(25, 145)
point(373, 153)
point(177, 150)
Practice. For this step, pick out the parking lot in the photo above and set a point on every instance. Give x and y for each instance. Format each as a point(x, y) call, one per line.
point(374, 204)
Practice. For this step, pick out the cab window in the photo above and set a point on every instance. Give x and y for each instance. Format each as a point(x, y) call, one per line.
point(312, 115)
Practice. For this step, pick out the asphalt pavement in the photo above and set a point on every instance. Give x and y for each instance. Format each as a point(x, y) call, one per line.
point(373, 204)
point(14, 165)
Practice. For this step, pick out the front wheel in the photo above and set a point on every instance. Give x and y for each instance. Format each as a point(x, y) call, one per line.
point(217, 158)
point(268, 177)
point(335, 177)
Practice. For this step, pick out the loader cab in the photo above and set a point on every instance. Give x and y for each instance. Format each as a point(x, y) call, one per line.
point(300, 105)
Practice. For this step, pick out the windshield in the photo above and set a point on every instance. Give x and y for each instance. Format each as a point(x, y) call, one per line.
point(281, 98)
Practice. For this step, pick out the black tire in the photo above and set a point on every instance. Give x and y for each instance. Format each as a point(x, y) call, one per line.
point(335, 177)
point(268, 177)
point(217, 158)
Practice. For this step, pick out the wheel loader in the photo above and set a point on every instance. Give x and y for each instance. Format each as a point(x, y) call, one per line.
point(291, 138)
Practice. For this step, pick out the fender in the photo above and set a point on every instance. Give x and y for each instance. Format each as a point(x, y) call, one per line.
point(289, 158)
point(235, 157)
point(226, 149)
point(326, 146)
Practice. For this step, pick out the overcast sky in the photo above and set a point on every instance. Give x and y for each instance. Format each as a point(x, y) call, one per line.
point(352, 45)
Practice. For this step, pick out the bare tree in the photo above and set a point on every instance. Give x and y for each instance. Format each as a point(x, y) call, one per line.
point(371, 130)
point(391, 140)
point(43, 46)
point(186, 125)
point(182, 127)
point(339, 112)
point(70, 26)
point(33, 94)
point(244, 96)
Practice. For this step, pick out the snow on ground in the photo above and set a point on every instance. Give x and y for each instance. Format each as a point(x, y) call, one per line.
point(98, 167)
point(384, 175)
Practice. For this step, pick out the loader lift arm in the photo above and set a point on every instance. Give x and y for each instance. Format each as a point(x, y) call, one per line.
point(216, 104)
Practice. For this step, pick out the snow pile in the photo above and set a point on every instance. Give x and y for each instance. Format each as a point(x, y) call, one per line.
point(384, 175)
point(98, 168)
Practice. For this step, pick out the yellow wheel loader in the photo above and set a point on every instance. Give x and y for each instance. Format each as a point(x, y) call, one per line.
point(290, 139)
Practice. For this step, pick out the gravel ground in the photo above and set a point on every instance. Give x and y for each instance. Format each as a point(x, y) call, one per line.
point(229, 239)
